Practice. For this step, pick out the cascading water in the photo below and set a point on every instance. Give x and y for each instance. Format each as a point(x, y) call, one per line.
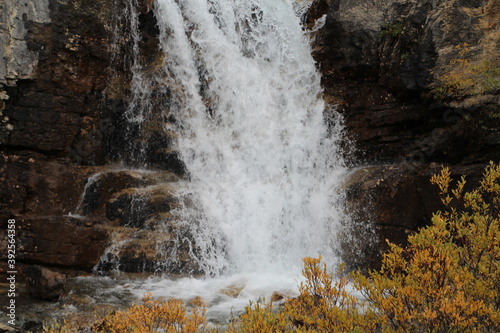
point(263, 165)
point(259, 147)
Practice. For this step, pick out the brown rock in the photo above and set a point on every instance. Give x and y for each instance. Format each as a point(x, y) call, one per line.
point(45, 284)
point(134, 206)
point(277, 297)
point(149, 251)
point(232, 290)
point(60, 241)
point(390, 202)
point(379, 61)
point(385, 202)
point(197, 302)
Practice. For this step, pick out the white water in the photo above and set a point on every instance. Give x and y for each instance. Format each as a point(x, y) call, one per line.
point(263, 169)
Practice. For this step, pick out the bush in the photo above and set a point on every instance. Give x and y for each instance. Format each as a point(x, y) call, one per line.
point(447, 278)
point(154, 315)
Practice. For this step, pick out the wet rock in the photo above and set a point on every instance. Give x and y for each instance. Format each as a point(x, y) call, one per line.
point(7, 328)
point(232, 290)
point(76, 300)
point(32, 327)
point(153, 251)
point(277, 297)
point(385, 202)
point(317, 10)
point(44, 284)
point(101, 187)
point(60, 241)
point(197, 302)
point(133, 207)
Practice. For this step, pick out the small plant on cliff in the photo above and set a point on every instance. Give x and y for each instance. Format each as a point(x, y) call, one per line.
point(393, 29)
point(464, 76)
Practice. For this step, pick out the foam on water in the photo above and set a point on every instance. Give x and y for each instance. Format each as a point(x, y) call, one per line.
point(223, 295)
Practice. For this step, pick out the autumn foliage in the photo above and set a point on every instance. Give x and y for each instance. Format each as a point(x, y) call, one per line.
point(447, 279)
point(169, 316)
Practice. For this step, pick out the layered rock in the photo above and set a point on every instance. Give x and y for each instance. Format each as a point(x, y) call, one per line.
point(392, 68)
point(396, 71)
point(65, 88)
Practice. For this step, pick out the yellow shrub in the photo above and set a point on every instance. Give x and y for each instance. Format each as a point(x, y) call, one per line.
point(325, 304)
point(169, 316)
point(260, 318)
point(447, 278)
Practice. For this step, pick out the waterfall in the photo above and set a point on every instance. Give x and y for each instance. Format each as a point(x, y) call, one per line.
point(263, 165)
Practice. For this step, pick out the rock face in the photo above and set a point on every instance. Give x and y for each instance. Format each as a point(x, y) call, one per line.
point(416, 82)
point(65, 86)
point(45, 284)
point(402, 74)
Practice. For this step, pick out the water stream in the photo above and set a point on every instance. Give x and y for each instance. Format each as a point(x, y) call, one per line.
point(263, 166)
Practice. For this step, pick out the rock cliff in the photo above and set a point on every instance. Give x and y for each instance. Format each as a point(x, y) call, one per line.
point(65, 73)
point(417, 82)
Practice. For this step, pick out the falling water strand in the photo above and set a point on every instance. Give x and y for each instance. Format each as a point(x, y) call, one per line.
point(263, 165)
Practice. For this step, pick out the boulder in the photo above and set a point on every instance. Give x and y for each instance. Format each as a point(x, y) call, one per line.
point(154, 251)
point(388, 203)
point(42, 283)
point(60, 241)
point(134, 206)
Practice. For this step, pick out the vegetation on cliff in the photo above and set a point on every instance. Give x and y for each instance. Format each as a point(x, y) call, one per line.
point(468, 76)
point(445, 280)
point(475, 68)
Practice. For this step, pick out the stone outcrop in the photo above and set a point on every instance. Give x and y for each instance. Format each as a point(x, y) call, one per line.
point(394, 70)
point(45, 284)
point(65, 83)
